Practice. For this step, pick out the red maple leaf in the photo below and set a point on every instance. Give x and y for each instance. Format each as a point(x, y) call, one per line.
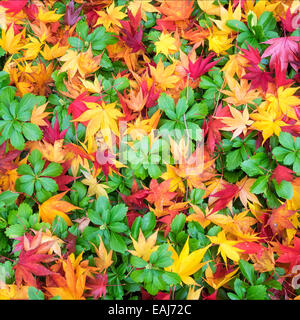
point(288, 21)
point(279, 219)
point(252, 55)
point(51, 134)
point(201, 66)
point(285, 49)
point(290, 255)
point(282, 173)
point(224, 197)
point(258, 77)
point(132, 31)
point(6, 159)
point(97, 286)
point(14, 6)
point(212, 126)
point(135, 201)
point(251, 248)
point(78, 106)
point(160, 295)
point(30, 263)
point(64, 178)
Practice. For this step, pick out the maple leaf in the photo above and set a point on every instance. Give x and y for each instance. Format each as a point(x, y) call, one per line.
point(13, 292)
point(159, 194)
point(287, 21)
point(97, 286)
point(238, 123)
point(10, 42)
point(47, 16)
point(72, 16)
point(244, 193)
point(199, 67)
point(83, 62)
point(136, 198)
point(73, 285)
point(282, 173)
point(212, 126)
point(145, 6)
point(194, 294)
point(164, 77)
point(209, 7)
point(187, 263)
point(54, 52)
point(63, 179)
point(281, 102)
point(14, 6)
point(219, 41)
point(94, 187)
point(251, 248)
point(160, 295)
point(264, 263)
point(144, 248)
point(112, 16)
point(289, 254)
point(226, 15)
point(260, 78)
point(6, 158)
point(136, 101)
point(53, 207)
point(240, 93)
point(220, 277)
point(38, 114)
point(225, 197)
point(103, 261)
point(279, 219)
point(284, 48)
point(102, 117)
point(30, 263)
point(165, 44)
point(206, 219)
point(267, 122)
point(251, 54)
point(176, 10)
point(34, 47)
point(226, 247)
point(129, 33)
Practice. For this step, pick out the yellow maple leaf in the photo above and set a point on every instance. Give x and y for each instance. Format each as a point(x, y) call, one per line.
point(73, 286)
point(53, 207)
point(194, 294)
point(219, 282)
point(47, 16)
point(228, 15)
point(83, 62)
point(282, 102)
point(187, 264)
point(145, 6)
point(103, 259)
point(10, 42)
point(54, 52)
point(143, 248)
point(111, 17)
point(226, 247)
point(259, 7)
point(207, 219)
point(208, 7)
point(238, 123)
point(38, 114)
point(34, 47)
point(244, 194)
point(218, 41)
point(164, 77)
point(234, 66)
point(93, 87)
point(165, 44)
point(101, 117)
point(267, 122)
point(13, 292)
point(95, 188)
point(240, 93)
